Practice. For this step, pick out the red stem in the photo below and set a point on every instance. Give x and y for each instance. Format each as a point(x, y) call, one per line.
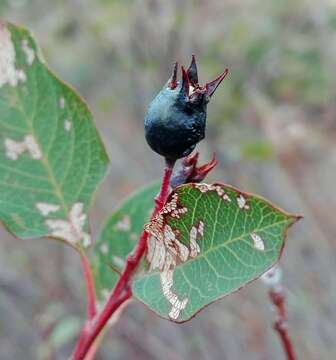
point(91, 296)
point(278, 299)
point(122, 290)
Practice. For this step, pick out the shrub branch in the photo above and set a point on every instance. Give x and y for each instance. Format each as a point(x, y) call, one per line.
point(122, 290)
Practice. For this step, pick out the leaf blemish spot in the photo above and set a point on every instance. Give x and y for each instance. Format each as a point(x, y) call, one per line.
point(123, 224)
point(46, 208)
point(61, 102)
point(257, 242)
point(166, 278)
point(67, 125)
point(194, 233)
point(8, 73)
point(203, 188)
point(29, 53)
point(15, 148)
point(104, 249)
point(164, 250)
point(242, 202)
point(71, 230)
point(201, 228)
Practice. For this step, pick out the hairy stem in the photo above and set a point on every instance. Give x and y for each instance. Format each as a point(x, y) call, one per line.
point(91, 296)
point(122, 290)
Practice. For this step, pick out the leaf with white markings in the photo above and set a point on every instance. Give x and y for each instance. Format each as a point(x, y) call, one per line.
point(51, 157)
point(118, 237)
point(208, 241)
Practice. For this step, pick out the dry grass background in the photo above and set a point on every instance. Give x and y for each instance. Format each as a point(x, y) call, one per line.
point(272, 124)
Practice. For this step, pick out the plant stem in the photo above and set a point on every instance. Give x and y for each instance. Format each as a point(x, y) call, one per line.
point(278, 300)
point(122, 290)
point(273, 281)
point(91, 296)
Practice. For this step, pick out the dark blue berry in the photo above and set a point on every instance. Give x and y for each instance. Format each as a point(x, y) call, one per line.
point(176, 118)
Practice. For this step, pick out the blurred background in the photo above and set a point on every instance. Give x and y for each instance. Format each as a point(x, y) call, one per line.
point(272, 124)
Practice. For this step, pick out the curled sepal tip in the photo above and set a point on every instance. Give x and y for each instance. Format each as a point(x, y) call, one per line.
point(211, 86)
point(173, 79)
point(192, 72)
point(185, 83)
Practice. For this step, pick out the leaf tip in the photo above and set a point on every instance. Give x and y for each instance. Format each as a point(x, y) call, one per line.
point(295, 218)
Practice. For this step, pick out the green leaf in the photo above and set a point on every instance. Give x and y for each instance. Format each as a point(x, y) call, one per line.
point(51, 157)
point(208, 241)
point(118, 237)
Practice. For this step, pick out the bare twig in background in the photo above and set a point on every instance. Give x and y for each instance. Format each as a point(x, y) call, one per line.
point(272, 279)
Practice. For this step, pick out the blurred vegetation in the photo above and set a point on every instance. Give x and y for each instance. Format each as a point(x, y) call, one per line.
point(272, 124)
